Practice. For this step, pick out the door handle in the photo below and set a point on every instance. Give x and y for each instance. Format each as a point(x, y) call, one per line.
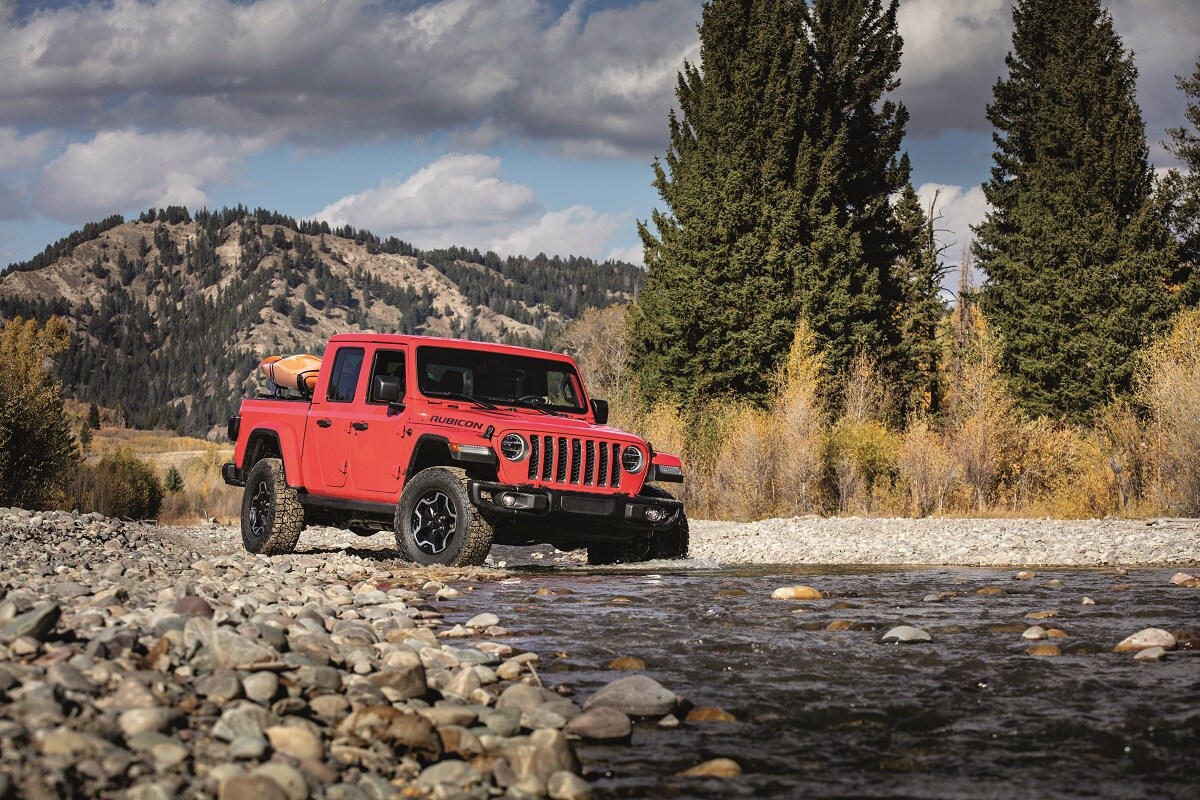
point(324, 423)
point(358, 426)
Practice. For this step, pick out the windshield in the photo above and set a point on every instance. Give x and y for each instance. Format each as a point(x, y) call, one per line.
point(500, 378)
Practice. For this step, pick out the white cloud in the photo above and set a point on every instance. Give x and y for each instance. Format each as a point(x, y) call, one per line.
point(455, 193)
point(633, 254)
point(577, 230)
point(463, 199)
point(954, 214)
point(119, 170)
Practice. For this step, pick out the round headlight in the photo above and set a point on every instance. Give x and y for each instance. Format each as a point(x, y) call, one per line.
point(514, 447)
point(632, 459)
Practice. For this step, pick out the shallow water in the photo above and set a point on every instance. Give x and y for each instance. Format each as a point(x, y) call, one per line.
point(836, 714)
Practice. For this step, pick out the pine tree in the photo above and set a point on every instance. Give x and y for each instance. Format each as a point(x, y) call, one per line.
point(920, 272)
point(1075, 251)
point(777, 182)
point(174, 481)
point(848, 168)
point(93, 418)
point(1182, 191)
point(715, 312)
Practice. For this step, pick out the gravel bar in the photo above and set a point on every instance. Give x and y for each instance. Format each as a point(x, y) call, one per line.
point(950, 542)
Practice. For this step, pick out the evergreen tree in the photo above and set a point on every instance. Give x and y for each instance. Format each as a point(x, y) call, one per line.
point(1182, 190)
point(920, 271)
point(1075, 251)
point(174, 481)
point(93, 418)
point(777, 181)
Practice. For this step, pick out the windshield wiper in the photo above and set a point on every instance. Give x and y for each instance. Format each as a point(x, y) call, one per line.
point(537, 407)
point(466, 397)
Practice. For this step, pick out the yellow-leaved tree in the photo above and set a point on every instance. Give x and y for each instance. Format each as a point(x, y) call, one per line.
point(37, 450)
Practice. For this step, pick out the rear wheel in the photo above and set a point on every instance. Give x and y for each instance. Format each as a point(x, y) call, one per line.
point(272, 516)
point(436, 523)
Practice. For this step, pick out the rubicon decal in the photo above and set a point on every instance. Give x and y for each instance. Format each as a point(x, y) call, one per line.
point(461, 423)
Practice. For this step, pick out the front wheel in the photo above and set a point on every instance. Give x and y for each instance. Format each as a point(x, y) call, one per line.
point(272, 516)
point(436, 523)
point(668, 544)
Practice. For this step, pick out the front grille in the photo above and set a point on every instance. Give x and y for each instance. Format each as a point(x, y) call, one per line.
point(575, 461)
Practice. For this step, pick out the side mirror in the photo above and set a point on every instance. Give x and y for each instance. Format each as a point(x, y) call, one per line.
point(600, 411)
point(386, 389)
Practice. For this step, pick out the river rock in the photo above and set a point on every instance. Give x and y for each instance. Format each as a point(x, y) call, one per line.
point(193, 606)
point(250, 787)
point(1150, 654)
point(37, 622)
point(540, 755)
point(221, 647)
point(1146, 638)
point(600, 724)
point(261, 687)
point(710, 715)
point(295, 741)
point(627, 663)
point(636, 695)
point(716, 768)
point(905, 634)
point(286, 777)
point(144, 720)
point(1044, 650)
point(1034, 632)
point(1182, 579)
point(485, 620)
point(1087, 601)
point(248, 747)
point(564, 785)
point(449, 773)
point(796, 593)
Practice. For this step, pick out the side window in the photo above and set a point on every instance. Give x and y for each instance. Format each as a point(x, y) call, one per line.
point(344, 380)
point(387, 362)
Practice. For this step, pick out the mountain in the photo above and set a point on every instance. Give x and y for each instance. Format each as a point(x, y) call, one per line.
point(170, 314)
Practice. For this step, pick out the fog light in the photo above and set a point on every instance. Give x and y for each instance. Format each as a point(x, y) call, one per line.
point(655, 514)
point(508, 500)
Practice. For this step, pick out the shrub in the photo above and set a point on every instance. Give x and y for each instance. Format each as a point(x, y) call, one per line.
point(1170, 388)
point(119, 485)
point(927, 469)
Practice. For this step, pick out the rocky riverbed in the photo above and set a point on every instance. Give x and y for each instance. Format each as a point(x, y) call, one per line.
point(156, 662)
point(151, 663)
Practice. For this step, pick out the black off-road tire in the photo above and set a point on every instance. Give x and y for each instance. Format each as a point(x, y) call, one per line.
point(272, 516)
point(668, 544)
point(436, 523)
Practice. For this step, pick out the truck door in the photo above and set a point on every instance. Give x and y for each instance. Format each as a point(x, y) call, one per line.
point(330, 418)
point(380, 447)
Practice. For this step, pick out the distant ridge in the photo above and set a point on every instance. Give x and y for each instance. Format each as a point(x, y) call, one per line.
point(170, 312)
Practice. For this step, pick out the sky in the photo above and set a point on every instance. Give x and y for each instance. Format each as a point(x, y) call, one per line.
point(520, 126)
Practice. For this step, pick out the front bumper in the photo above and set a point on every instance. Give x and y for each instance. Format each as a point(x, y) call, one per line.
point(615, 512)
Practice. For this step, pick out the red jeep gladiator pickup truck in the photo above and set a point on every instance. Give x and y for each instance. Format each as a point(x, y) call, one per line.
point(453, 445)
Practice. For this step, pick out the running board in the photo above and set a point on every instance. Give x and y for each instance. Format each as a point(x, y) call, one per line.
point(363, 506)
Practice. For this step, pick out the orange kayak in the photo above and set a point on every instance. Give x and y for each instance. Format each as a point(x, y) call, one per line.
point(297, 372)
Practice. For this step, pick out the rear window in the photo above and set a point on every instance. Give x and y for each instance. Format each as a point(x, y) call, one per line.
point(344, 380)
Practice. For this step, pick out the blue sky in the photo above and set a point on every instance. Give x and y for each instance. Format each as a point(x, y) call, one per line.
point(514, 125)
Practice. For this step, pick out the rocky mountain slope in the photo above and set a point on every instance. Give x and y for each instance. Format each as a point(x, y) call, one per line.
point(171, 313)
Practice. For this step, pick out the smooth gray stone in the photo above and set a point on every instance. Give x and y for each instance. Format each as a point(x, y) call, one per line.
point(636, 695)
point(36, 622)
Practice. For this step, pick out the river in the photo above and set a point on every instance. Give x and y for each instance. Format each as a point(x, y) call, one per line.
point(825, 714)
